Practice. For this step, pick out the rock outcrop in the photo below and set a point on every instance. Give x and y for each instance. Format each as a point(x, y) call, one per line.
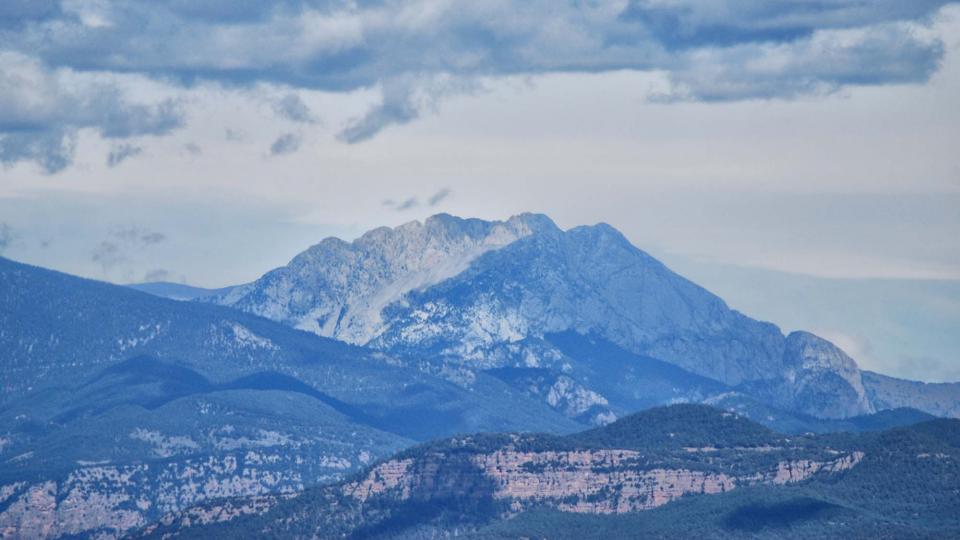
point(339, 289)
point(601, 481)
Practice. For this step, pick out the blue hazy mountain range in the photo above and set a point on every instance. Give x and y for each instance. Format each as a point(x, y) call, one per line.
point(120, 407)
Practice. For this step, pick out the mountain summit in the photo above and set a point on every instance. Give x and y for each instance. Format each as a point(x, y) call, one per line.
point(487, 295)
point(339, 289)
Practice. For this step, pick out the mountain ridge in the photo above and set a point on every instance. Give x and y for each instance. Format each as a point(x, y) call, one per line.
point(493, 306)
point(663, 460)
point(372, 271)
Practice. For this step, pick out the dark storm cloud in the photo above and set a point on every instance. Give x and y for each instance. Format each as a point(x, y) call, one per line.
point(713, 50)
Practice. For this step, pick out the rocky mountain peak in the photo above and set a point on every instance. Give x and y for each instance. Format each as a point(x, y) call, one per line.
point(339, 289)
point(487, 292)
point(822, 378)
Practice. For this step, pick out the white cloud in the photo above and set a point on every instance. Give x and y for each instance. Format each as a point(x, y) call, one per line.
point(418, 52)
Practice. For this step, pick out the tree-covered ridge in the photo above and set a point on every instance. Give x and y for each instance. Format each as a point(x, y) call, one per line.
point(682, 425)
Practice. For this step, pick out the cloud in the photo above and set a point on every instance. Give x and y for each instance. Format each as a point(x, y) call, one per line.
point(137, 235)
point(403, 99)
point(193, 149)
point(233, 135)
point(157, 274)
point(685, 24)
point(285, 144)
point(398, 106)
point(108, 255)
point(16, 12)
point(817, 65)
point(292, 108)
point(122, 152)
point(122, 244)
point(420, 51)
point(412, 202)
point(42, 108)
point(52, 149)
point(6, 237)
point(439, 197)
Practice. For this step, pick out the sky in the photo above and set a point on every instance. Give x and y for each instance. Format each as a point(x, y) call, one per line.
point(800, 158)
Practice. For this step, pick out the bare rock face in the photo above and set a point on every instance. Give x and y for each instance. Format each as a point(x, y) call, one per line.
point(940, 399)
point(588, 280)
point(821, 379)
point(601, 481)
point(591, 280)
point(594, 482)
point(110, 500)
point(339, 289)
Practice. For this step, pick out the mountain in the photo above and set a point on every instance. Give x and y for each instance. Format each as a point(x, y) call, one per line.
point(339, 289)
point(889, 392)
point(119, 406)
point(177, 291)
point(680, 471)
point(467, 296)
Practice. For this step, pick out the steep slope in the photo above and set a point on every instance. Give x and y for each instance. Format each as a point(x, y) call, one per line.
point(593, 281)
point(941, 399)
point(118, 406)
point(672, 460)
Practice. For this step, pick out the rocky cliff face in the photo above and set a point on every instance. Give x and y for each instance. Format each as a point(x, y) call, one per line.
point(339, 289)
point(110, 500)
point(820, 379)
point(602, 481)
point(940, 399)
point(589, 280)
